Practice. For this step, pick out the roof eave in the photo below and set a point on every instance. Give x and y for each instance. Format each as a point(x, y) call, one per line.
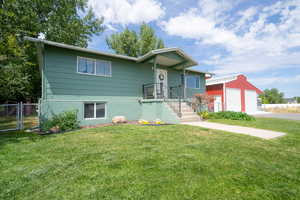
point(66, 46)
point(198, 71)
point(190, 62)
point(165, 50)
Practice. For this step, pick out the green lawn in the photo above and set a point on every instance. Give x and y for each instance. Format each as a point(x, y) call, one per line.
point(139, 162)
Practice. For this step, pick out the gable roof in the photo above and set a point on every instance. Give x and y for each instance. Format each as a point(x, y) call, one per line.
point(176, 50)
point(233, 81)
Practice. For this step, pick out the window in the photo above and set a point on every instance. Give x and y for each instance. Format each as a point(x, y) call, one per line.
point(192, 82)
point(93, 67)
point(94, 110)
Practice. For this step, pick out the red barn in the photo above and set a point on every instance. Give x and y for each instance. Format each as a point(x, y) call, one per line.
point(233, 93)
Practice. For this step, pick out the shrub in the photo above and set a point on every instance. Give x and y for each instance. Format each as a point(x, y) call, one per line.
point(204, 114)
point(230, 115)
point(65, 121)
point(46, 125)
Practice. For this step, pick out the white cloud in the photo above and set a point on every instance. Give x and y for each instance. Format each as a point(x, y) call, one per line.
point(257, 40)
point(270, 81)
point(126, 12)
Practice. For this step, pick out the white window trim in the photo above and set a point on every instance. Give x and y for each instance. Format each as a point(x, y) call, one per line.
point(94, 118)
point(192, 87)
point(95, 63)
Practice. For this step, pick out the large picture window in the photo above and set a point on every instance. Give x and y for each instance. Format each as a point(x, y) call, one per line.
point(94, 110)
point(93, 66)
point(192, 81)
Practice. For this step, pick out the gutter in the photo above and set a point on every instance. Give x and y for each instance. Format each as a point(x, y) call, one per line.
point(66, 46)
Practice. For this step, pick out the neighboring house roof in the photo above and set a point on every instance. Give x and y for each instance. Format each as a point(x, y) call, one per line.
point(235, 81)
point(291, 100)
point(221, 80)
point(185, 61)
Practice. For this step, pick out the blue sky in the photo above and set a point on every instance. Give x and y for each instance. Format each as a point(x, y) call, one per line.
point(260, 39)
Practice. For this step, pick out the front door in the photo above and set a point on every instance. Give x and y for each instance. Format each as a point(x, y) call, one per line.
point(162, 86)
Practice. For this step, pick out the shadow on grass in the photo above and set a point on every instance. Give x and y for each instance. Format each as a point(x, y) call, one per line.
point(17, 136)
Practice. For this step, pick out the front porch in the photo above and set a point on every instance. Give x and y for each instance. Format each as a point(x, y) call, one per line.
point(161, 91)
point(168, 88)
point(169, 69)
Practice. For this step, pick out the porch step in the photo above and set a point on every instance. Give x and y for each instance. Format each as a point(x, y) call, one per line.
point(187, 112)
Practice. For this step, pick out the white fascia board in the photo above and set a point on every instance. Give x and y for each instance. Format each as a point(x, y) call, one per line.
point(220, 80)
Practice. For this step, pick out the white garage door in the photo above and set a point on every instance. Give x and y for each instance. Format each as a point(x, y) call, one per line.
point(250, 101)
point(233, 99)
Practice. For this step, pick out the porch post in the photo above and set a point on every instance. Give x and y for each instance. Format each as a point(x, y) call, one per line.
point(184, 92)
point(154, 77)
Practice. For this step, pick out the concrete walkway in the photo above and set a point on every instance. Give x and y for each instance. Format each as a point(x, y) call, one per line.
point(265, 134)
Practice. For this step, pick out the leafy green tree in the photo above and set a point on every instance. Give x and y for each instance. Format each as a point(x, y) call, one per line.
point(126, 43)
point(148, 41)
point(272, 96)
point(297, 99)
point(131, 43)
point(14, 82)
point(66, 21)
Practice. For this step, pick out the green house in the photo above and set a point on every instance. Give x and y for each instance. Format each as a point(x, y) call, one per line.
point(158, 85)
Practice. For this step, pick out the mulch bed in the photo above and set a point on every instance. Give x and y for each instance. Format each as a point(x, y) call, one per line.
point(99, 125)
point(109, 124)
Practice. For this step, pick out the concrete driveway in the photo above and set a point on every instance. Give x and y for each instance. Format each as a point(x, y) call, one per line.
point(291, 116)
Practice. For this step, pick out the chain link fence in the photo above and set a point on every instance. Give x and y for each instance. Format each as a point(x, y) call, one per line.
point(18, 116)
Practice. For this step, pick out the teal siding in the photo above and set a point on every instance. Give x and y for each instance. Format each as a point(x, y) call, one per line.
point(190, 92)
point(153, 110)
point(65, 89)
point(61, 77)
point(131, 109)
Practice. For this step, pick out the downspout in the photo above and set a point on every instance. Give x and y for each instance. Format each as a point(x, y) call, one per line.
point(184, 87)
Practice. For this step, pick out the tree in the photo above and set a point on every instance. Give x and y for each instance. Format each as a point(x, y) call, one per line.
point(126, 43)
point(297, 99)
point(148, 41)
point(135, 44)
point(66, 21)
point(272, 96)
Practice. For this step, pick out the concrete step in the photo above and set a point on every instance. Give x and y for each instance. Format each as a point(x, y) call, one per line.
point(188, 114)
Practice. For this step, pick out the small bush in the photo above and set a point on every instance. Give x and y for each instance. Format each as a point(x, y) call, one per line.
point(204, 114)
point(230, 115)
point(46, 125)
point(65, 121)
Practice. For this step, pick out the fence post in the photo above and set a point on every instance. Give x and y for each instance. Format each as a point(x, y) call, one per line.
point(21, 115)
point(17, 116)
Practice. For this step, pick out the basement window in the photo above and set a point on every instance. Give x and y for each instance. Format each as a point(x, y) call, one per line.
point(94, 110)
point(91, 66)
point(192, 81)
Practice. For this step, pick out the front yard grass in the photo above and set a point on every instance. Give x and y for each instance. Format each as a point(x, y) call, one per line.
point(142, 162)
